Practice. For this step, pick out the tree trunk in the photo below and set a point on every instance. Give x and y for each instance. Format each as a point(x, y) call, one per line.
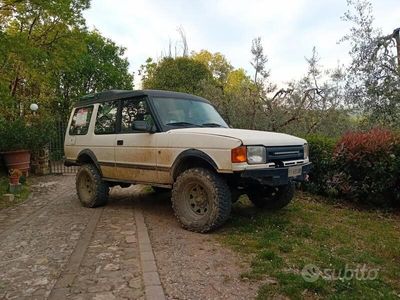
point(396, 36)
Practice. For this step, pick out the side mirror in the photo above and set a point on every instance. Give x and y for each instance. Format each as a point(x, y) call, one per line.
point(143, 126)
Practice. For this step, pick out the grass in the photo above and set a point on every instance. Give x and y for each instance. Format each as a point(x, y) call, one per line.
point(311, 230)
point(19, 197)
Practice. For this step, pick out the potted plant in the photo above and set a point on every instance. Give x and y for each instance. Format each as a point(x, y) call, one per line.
point(14, 176)
point(14, 146)
point(22, 136)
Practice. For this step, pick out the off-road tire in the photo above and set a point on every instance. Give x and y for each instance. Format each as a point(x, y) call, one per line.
point(217, 197)
point(272, 198)
point(91, 189)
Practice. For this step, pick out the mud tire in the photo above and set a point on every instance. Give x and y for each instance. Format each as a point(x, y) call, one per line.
point(215, 195)
point(91, 189)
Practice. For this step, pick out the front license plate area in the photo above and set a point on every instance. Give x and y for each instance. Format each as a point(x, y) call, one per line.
point(294, 171)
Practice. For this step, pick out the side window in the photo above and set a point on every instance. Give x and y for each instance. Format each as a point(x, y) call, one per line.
point(133, 112)
point(81, 120)
point(106, 118)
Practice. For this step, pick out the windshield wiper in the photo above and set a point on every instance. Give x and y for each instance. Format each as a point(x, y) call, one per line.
point(181, 124)
point(212, 125)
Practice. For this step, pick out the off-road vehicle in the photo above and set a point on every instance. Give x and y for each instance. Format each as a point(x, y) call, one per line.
point(178, 141)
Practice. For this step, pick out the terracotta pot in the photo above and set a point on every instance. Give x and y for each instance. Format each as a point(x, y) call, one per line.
point(14, 179)
point(19, 159)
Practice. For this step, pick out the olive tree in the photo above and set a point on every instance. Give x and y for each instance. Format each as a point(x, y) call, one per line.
point(373, 77)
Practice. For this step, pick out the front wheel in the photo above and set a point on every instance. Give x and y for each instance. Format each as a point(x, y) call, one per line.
point(272, 197)
point(201, 200)
point(92, 190)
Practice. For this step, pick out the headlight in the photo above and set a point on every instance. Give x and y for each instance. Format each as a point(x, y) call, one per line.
point(256, 155)
point(306, 151)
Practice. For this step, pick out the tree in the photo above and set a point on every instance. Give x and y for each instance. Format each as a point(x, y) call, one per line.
point(99, 66)
point(31, 30)
point(185, 48)
point(259, 61)
point(216, 63)
point(181, 74)
point(147, 70)
point(311, 102)
point(231, 98)
point(237, 80)
point(373, 79)
point(262, 85)
point(47, 56)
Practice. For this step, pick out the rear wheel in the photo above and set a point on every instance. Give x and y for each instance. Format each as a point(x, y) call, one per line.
point(92, 190)
point(272, 197)
point(201, 200)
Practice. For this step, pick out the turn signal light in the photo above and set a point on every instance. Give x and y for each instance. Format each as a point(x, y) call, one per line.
point(239, 154)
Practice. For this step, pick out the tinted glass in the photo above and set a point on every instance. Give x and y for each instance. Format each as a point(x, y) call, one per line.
point(134, 110)
point(81, 120)
point(106, 118)
point(180, 111)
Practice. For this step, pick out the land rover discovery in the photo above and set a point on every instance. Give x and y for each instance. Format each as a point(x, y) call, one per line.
point(178, 141)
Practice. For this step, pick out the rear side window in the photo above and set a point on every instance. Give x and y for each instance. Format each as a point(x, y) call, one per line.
point(81, 120)
point(106, 118)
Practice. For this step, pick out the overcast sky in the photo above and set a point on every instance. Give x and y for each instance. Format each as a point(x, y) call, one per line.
point(288, 28)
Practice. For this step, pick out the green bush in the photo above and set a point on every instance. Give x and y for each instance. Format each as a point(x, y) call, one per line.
point(367, 167)
point(42, 131)
point(14, 135)
point(21, 134)
point(362, 167)
point(321, 156)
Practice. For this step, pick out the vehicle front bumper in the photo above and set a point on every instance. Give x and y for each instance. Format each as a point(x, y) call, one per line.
point(275, 176)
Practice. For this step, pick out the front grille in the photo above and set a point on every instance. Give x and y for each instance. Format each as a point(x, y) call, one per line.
point(286, 153)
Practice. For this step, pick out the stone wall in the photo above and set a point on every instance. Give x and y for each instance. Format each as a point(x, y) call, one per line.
point(40, 162)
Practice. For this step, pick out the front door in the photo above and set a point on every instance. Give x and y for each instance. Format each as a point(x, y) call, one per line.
point(135, 150)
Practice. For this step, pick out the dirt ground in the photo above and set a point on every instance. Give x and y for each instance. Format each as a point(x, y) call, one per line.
point(52, 248)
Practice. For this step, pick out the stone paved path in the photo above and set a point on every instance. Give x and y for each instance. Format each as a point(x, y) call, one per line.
point(52, 248)
point(191, 265)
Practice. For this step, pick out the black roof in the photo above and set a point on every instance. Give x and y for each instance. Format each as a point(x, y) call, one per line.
point(123, 94)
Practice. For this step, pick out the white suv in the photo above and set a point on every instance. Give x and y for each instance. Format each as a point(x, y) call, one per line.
point(179, 141)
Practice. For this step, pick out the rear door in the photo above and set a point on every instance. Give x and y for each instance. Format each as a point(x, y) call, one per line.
point(78, 128)
point(103, 139)
point(135, 150)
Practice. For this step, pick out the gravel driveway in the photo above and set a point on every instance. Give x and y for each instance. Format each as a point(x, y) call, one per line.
point(52, 248)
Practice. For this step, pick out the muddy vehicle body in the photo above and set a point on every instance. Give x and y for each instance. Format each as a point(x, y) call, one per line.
point(179, 142)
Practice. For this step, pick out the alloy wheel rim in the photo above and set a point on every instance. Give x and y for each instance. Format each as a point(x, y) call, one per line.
point(86, 187)
point(198, 199)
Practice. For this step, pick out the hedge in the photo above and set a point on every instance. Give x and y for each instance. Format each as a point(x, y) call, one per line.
point(321, 156)
point(362, 167)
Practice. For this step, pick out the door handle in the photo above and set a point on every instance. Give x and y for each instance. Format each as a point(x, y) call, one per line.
point(120, 142)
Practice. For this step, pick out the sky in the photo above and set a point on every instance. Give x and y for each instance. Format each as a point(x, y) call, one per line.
point(289, 29)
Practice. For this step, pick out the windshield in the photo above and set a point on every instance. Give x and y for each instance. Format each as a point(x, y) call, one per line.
point(177, 112)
